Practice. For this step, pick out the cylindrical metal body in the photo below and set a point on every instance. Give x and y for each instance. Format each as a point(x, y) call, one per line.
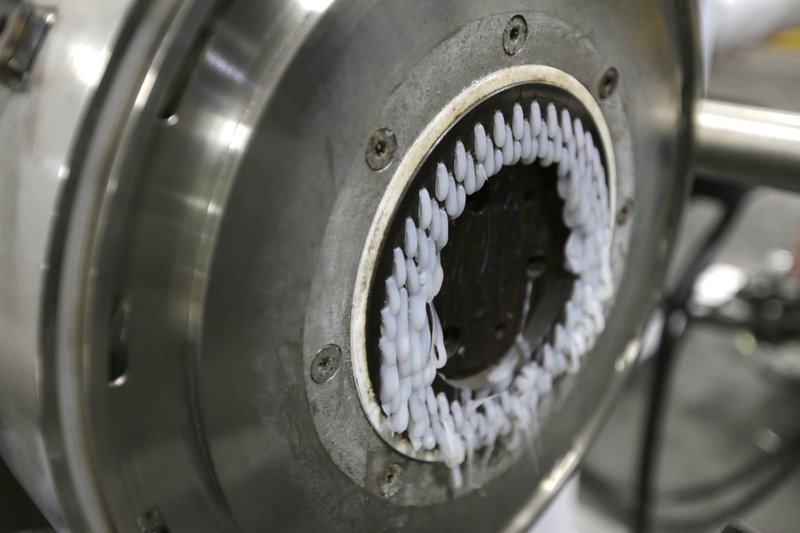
point(41, 129)
point(184, 200)
point(749, 145)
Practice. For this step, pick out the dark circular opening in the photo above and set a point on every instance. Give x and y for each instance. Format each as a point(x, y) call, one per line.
point(3, 21)
point(488, 262)
point(380, 148)
point(514, 33)
point(503, 262)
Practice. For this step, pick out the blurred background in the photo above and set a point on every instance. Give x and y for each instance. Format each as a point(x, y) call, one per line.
point(727, 444)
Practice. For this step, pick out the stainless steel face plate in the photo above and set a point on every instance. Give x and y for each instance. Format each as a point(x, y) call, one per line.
point(198, 356)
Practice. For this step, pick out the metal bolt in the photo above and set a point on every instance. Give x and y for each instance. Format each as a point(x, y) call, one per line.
point(515, 34)
point(390, 482)
point(625, 212)
point(608, 83)
point(537, 264)
point(381, 148)
point(23, 27)
point(325, 363)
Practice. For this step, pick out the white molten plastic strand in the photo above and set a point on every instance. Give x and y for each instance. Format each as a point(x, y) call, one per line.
point(412, 341)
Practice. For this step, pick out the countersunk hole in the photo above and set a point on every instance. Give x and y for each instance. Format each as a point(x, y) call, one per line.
point(391, 482)
point(625, 211)
point(325, 363)
point(500, 330)
point(381, 148)
point(608, 82)
point(477, 201)
point(515, 34)
point(452, 339)
point(118, 349)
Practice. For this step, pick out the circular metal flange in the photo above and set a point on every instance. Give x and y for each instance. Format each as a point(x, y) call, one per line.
point(520, 83)
point(236, 235)
point(365, 209)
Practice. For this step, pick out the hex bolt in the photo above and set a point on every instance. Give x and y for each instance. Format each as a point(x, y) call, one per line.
point(390, 482)
point(325, 363)
point(515, 35)
point(608, 82)
point(625, 212)
point(381, 148)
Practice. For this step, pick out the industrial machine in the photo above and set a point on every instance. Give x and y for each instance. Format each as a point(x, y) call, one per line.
point(286, 265)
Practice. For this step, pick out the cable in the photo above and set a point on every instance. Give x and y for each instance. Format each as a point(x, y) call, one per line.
point(694, 492)
point(620, 504)
point(676, 324)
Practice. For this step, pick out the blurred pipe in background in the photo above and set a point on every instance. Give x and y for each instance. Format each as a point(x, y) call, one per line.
point(748, 145)
point(731, 25)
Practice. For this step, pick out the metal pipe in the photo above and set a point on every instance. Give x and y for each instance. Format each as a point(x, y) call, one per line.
point(749, 145)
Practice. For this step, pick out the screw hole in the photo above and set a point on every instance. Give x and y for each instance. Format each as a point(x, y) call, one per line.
point(608, 82)
point(381, 148)
point(625, 212)
point(391, 481)
point(3, 21)
point(515, 34)
point(500, 330)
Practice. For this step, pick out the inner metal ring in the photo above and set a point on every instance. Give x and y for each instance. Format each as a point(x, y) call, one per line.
point(525, 81)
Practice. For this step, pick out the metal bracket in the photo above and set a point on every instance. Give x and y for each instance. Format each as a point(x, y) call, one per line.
point(23, 27)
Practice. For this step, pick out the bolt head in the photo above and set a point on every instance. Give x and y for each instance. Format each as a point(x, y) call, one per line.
point(381, 148)
point(625, 212)
point(515, 35)
point(325, 363)
point(390, 482)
